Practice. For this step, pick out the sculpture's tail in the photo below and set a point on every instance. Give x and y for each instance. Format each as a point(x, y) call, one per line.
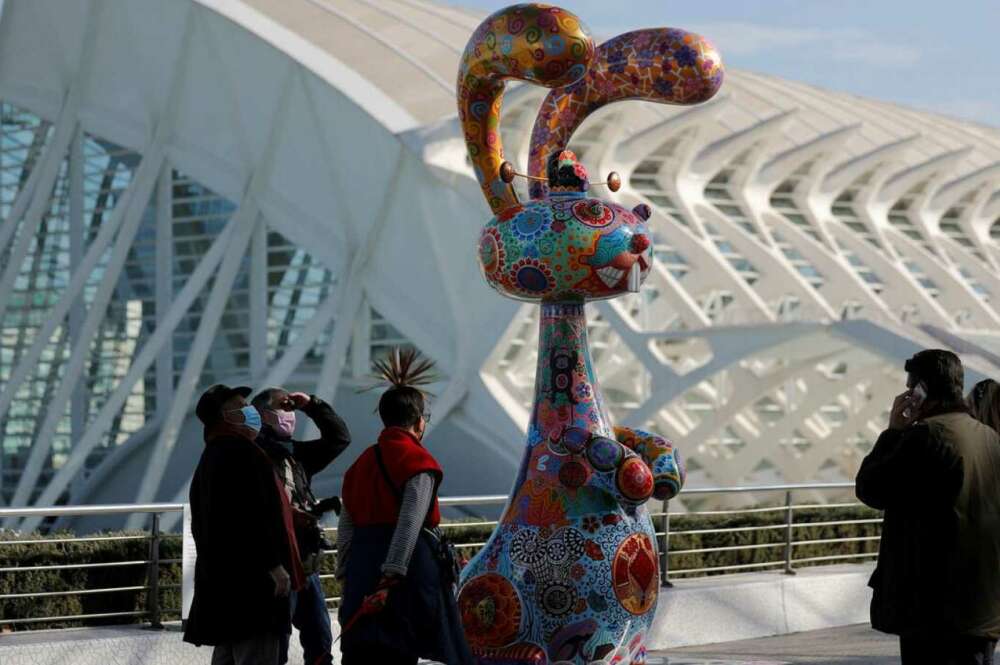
point(537, 43)
point(658, 65)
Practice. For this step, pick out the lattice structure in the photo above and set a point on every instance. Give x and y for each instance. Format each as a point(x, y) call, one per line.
point(253, 191)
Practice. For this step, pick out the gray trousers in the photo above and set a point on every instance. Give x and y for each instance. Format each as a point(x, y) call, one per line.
point(258, 650)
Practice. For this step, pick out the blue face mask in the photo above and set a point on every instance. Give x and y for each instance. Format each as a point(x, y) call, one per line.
point(251, 418)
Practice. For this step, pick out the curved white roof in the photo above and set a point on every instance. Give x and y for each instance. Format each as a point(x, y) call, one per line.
point(807, 240)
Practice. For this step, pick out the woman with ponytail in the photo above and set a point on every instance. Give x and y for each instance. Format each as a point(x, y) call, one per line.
point(391, 554)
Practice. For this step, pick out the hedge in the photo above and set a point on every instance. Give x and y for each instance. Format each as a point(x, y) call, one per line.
point(37, 553)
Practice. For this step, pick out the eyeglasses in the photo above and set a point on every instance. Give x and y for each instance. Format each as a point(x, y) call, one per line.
point(427, 416)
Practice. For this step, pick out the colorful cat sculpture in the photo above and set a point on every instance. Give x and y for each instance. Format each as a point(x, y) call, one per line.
point(571, 573)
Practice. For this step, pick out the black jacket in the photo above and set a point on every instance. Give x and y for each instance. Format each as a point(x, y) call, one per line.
point(236, 521)
point(297, 466)
point(938, 571)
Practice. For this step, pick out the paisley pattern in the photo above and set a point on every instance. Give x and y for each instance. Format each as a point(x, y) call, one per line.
point(571, 573)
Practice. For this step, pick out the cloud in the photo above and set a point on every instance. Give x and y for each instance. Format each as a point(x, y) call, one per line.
point(848, 45)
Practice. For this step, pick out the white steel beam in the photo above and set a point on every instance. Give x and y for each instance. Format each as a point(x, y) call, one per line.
point(130, 212)
point(105, 236)
point(258, 303)
point(76, 245)
point(246, 218)
point(164, 285)
point(101, 422)
point(48, 166)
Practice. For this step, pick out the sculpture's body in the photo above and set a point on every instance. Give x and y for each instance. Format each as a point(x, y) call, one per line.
point(571, 573)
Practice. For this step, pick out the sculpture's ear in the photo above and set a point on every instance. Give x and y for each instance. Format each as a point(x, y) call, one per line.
point(662, 65)
point(642, 211)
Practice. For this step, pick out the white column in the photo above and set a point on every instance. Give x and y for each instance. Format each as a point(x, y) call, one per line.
point(48, 166)
point(129, 213)
point(258, 305)
point(246, 219)
point(95, 251)
point(101, 422)
point(164, 285)
point(76, 244)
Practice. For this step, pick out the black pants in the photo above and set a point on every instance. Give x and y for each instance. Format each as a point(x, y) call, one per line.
point(377, 655)
point(947, 650)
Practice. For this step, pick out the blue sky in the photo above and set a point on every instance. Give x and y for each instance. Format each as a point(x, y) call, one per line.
point(937, 55)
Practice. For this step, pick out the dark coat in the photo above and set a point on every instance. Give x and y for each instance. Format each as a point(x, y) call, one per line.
point(421, 616)
point(938, 571)
point(304, 460)
point(237, 524)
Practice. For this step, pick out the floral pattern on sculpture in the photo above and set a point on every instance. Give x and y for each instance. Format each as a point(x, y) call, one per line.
point(571, 573)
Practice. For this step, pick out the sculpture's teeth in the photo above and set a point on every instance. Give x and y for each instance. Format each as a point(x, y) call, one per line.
point(610, 276)
point(634, 277)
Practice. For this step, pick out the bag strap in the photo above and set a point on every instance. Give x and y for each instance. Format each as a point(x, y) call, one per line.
point(395, 490)
point(385, 474)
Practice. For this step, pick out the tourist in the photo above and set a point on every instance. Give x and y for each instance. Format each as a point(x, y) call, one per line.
point(936, 473)
point(296, 462)
point(984, 402)
point(247, 556)
point(392, 556)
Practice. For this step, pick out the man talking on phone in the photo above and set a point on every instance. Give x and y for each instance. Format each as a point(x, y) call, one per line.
point(936, 473)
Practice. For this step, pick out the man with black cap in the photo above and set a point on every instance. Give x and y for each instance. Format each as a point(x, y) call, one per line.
point(936, 473)
point(248, 560)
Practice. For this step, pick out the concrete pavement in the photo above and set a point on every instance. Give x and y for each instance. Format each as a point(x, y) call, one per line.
point(848, 645)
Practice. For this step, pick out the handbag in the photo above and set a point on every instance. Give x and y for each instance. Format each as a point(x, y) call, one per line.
point(443, 550)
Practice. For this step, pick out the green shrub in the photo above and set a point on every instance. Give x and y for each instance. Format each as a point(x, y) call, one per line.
point(34, 553)
point(56, 553)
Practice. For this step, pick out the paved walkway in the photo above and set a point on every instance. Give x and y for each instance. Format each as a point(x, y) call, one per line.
point(850, 645)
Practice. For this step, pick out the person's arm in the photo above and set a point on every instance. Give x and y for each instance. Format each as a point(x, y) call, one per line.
point(417, 496)
point(316, 455)
point(345, 532)
point(909, 467)
point(875, 482)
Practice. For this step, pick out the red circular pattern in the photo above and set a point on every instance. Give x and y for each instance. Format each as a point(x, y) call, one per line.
point(491, 611)
point(635, 574)
point(572, 474)
point(635, 480)
point(489, 251)
point(593, 213)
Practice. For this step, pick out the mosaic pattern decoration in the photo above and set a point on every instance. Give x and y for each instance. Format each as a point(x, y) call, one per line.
point(571, 573)
point(546, 45)
point(568, 247)
point(664, 65)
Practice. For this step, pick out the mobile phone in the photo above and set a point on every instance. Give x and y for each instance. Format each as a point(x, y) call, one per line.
point(917, 396)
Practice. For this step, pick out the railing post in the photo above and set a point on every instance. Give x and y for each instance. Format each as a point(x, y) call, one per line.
point(153, 576)
point(789, 520)
point(665, 546)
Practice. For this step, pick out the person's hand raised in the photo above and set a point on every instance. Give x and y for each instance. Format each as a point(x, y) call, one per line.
point(903, 411)
point(299, 400)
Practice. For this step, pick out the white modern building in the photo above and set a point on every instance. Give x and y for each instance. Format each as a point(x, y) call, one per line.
point(276, 191)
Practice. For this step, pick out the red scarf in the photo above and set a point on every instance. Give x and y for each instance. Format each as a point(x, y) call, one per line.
point(297, 574)
point(366, 494)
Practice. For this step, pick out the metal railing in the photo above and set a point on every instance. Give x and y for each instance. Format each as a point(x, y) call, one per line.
point(667, 535)
point(152, 587)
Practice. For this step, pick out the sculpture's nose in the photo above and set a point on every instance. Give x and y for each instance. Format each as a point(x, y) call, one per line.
point(640, 243)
